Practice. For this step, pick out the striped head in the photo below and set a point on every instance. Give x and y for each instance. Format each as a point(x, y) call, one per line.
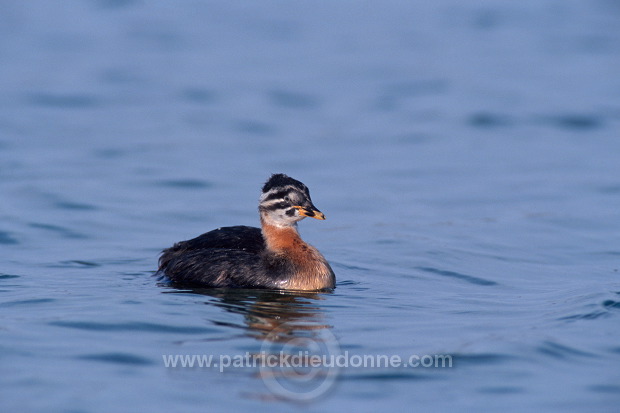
point(285, 201)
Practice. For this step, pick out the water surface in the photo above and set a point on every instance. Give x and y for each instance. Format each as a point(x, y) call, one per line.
point(465, 155)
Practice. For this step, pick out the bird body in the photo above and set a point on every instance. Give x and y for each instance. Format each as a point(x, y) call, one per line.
point(273, 256)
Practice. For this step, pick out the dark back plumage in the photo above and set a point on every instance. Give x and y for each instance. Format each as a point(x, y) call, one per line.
point(250, 257)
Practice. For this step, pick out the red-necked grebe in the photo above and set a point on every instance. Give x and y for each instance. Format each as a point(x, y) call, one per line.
point(273, 256)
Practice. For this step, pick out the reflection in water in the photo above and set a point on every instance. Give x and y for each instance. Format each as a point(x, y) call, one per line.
point(267, 310)
point(295, 360)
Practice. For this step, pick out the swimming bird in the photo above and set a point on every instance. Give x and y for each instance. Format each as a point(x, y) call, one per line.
point(273, 256)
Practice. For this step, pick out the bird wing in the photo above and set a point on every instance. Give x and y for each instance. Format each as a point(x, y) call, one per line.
point(237, 238)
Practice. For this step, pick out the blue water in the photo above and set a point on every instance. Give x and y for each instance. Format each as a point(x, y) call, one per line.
point(466, 155)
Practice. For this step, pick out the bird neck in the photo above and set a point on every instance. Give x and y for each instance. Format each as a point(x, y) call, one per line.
point(281, 238)
point(311, 270)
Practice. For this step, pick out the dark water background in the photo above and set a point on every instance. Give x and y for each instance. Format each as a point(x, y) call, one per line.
point(466, 155)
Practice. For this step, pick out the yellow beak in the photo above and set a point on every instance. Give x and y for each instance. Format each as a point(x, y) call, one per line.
point(309, 212)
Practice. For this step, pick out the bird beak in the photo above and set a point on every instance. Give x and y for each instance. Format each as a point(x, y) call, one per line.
point(311, 212)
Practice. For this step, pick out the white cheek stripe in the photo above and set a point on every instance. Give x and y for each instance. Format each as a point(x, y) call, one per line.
point(273, 191)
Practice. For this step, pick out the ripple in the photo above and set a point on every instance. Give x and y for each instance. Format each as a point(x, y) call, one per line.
point(345, 283)
point(577, 121)
point(487, 19)
point(199, 95)
point(393, 95)
point(615, 350)
point(481, 358)
point(610, 189)
point(611, 304)
point(488, 120)
point(185, 183)
point(64, 232)
point(502, 390)
point(76, 206)
point(118, 358)
point(116, 4)
point(109, 153)
point(605, 388)
point(64, 101)
point(8, 276)
point(7, 239)
point(464, 277)
point(77, 264)
point(131, 326)
point(293, 100)
point(350, 266)
point(586, 316)
point(387, 375)
point(30, 302)
point(560, 351)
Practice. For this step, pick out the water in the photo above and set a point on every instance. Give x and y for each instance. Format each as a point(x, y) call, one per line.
point(465, 155)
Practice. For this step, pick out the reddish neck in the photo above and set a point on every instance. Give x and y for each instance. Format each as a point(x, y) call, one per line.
point(312, 272)
point(281, 238)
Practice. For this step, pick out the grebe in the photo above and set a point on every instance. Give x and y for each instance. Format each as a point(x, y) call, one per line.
point(273, 256)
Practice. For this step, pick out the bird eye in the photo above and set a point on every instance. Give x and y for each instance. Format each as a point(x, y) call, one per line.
point(287, 198)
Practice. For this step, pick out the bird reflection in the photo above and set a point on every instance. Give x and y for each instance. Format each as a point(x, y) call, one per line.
point(271, 314)
point(286, 324)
